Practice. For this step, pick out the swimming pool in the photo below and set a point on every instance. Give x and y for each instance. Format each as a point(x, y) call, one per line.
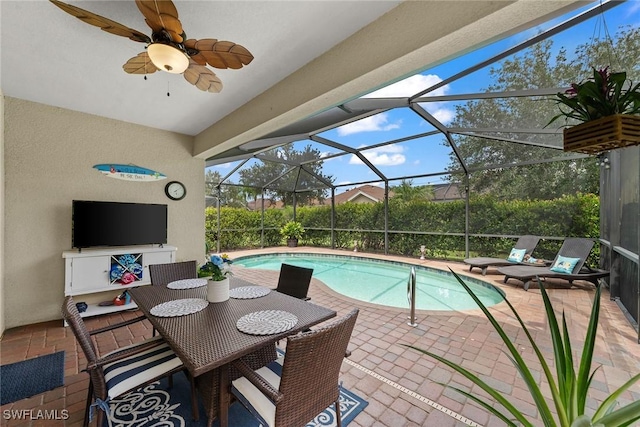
point(383, 282)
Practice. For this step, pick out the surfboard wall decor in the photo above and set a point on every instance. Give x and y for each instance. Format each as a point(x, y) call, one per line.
point(129, 172)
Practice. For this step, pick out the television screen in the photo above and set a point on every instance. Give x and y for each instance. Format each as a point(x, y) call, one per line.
point(118, 224)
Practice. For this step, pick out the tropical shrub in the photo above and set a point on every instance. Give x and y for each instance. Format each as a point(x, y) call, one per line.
point(420, 222)
point(568, 388)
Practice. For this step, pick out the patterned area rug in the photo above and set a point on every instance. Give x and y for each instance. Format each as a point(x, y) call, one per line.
point(156, 405)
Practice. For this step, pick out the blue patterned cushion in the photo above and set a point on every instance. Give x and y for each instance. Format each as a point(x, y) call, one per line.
point(516, 255)
point(564, 265)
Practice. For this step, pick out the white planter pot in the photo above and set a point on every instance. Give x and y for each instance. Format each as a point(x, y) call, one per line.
point(218, 291)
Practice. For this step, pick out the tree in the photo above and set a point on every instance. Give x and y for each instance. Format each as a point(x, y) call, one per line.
point(536, 67)
point(283, 170)
point(406, 192)
point(231, 196)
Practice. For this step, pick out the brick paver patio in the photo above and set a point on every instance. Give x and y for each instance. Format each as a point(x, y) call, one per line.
point(401, 385)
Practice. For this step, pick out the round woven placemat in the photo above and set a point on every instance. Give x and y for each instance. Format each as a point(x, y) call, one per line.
point(187, 283)
point(179, 307)
point(248, 292)
point(266, 322)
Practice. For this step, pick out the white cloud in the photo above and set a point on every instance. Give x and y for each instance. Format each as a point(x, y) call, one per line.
point(443, 115)
point(416, 84)
point(390, 155)
point(409, 87)
point(379, 122)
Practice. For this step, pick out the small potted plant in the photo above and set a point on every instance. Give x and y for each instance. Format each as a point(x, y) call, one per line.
point(292, 231)
point(607, 107)
point(216, 269)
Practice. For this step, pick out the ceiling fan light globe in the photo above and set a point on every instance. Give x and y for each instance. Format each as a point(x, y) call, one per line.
point(168, 58)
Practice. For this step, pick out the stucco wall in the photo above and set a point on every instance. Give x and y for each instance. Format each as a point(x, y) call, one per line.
point(2, 327)
point(49, 157)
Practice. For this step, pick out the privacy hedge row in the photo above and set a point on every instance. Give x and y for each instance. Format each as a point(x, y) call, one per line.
point(362, 224)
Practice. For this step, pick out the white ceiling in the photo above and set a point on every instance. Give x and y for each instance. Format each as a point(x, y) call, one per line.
point(51, 57)
point(309, 56)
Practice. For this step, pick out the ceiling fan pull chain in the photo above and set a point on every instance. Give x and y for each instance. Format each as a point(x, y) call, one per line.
point(168, 94)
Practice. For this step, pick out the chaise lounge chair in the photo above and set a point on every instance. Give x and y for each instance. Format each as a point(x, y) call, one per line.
point(528, 243)
point(571, 258)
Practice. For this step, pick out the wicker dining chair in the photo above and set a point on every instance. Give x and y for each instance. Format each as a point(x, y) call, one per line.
point(207, 383)
point(308, 375)
point(154, 360)
point(294, 281)
point(163, 274)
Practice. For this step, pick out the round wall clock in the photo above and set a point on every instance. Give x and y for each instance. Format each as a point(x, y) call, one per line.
point(175, 190)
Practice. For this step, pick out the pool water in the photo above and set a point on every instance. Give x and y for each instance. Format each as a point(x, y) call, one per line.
point(383, 282)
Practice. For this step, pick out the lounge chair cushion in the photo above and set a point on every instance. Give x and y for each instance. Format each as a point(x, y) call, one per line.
point(516, 255)
point(564, 264)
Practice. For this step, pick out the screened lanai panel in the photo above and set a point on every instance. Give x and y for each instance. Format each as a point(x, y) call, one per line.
point(409, 158)
point(518, 119)
point(465, 74)
point(430, 212)
point(303, 180)
point(629, 198)
point(484, 153)
point(554, 199)
point(214, 174)
point(311, 150)
point(383, 127)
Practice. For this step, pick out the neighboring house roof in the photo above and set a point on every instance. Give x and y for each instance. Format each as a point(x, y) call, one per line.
point(363, 194)
point(444, 192)
point(268, 204)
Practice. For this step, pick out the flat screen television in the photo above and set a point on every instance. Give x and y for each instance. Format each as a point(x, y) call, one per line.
point(118, 224)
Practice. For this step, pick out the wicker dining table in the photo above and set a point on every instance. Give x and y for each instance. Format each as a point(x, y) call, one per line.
point(208, 340)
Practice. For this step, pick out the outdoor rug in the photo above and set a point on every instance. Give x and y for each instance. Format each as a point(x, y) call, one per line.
point(30, 377)
point(155, 404)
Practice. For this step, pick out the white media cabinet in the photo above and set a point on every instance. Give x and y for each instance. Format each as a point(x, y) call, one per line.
point(88, 273)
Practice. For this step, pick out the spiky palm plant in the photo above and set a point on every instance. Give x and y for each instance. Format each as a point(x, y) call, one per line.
point(568, 388)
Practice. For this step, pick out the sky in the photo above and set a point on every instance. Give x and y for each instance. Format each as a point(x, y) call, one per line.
point(428, 155)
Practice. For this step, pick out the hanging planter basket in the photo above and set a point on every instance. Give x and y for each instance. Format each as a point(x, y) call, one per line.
point(607, 133)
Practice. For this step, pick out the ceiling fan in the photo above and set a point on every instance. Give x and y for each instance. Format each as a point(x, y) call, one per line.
point(168, 48)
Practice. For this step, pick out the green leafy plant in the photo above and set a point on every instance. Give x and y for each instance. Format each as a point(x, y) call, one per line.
point(603, 95)
point(217, 267)
point(568, 389)
point(292, 230)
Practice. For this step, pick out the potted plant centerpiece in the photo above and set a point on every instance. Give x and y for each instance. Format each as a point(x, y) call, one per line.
point(292, 231)
point(217, 270)
point(607, 107)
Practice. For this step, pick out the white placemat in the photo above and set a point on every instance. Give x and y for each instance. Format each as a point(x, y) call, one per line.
point(179, 307)
point(266, 322)
point(187, 283)
point(248, 292)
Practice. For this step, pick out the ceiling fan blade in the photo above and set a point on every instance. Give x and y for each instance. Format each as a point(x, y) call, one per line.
point(162, 15)
point(140, 64)
point(104, 23)
point(219, 54)
point(202, 78)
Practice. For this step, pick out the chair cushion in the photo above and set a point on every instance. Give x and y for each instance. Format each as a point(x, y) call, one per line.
point(252, 398)
point(564, 265)
point(133, 371)
point(516, 255)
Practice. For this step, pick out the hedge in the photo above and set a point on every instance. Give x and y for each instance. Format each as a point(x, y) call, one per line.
point(418, 223)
